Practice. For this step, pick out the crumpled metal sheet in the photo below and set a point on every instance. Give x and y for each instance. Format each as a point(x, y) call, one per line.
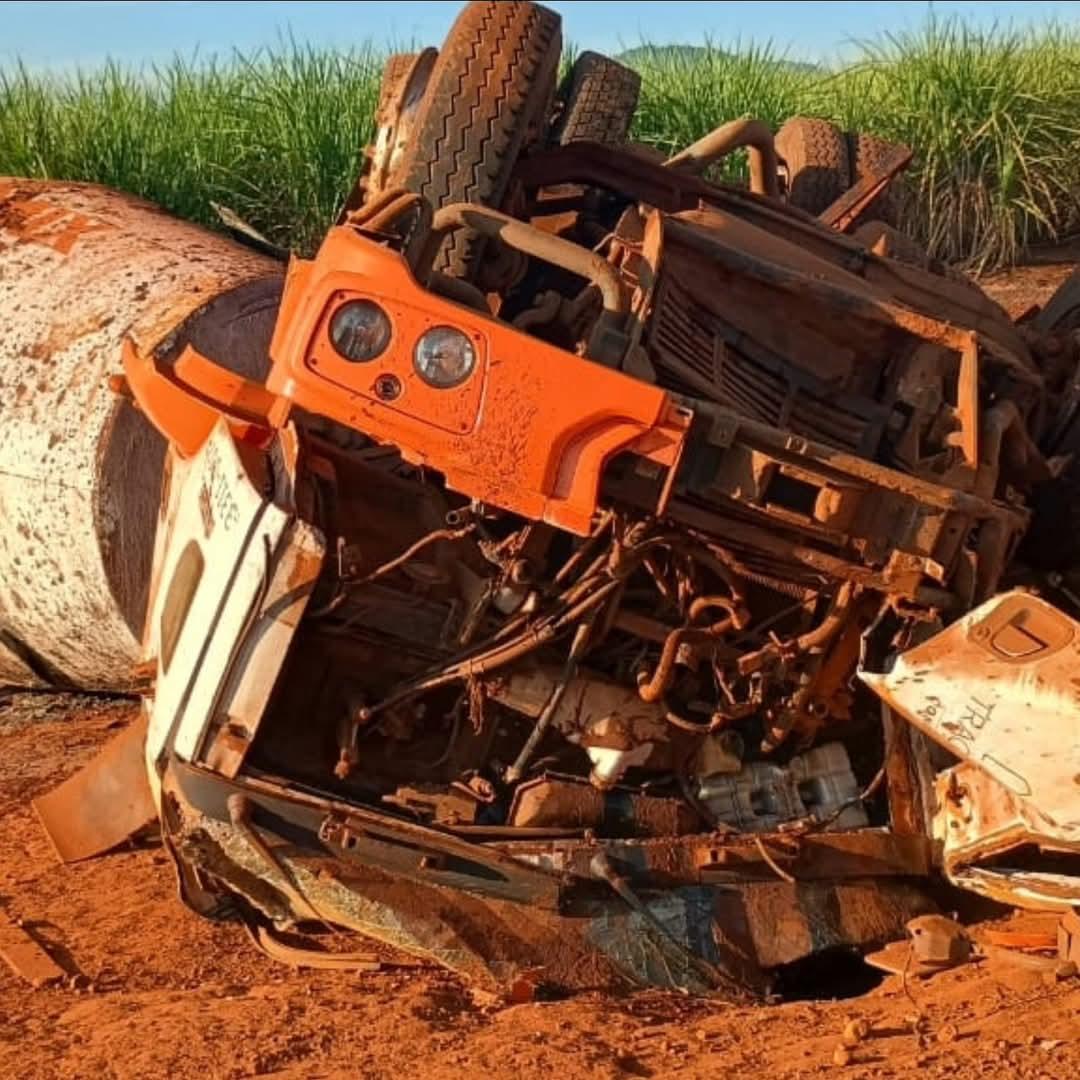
point(105, 802)
point(695, 938)
point(979, 820)
point(1000, 690)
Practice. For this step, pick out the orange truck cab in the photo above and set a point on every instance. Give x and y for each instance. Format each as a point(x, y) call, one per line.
point(508, 419)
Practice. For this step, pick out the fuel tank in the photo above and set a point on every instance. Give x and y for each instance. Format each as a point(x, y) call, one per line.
point(82, 268)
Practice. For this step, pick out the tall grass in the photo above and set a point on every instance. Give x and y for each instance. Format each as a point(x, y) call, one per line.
point(992, 115)
point(276, 136)
point(994, 119)
point(686, 94)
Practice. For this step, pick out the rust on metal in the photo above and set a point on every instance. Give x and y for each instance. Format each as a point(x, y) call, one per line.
point(81, 270)
point(310, 959)
point(523, 560)
point(845, 211)
point(728, 137)
point(1068, 937)
point(25, 956)
point(104, 803)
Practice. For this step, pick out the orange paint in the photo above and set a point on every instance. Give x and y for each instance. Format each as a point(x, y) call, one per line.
point(36, 221)
point(529, 431)
point(186, 408)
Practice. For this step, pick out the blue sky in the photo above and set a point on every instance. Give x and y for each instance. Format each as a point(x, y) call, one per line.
point(65, 35)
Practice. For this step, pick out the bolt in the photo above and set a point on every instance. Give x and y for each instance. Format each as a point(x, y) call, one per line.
point(387, 387)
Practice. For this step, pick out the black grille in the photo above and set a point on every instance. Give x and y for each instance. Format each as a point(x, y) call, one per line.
point(696, 353)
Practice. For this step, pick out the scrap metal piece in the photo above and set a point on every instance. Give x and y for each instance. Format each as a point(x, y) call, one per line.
point(844, 212)
point(105, 802)
point(936, 939)
point(1068, 936)
point(998, 689)
point(241, 813)
point(1019, 939)
point(272, 946)
point(25, 956)
point(935, 943)
point(243, 232)
point(979, 820)
point(897, 958)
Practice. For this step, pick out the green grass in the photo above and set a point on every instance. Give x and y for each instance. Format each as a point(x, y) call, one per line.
point(275, 136)
point(685, 95)
point(993, 117)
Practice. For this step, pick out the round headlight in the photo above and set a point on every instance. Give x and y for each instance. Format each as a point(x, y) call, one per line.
point(444, 357)
point(360, 331)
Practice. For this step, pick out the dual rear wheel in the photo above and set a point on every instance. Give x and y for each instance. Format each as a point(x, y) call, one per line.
point(822, 162)
point(452, 124)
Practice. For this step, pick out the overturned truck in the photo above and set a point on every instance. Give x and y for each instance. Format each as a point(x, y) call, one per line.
point(586, 572)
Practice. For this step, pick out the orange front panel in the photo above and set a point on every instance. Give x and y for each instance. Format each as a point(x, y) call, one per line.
point(529, 431)
point(455, 411)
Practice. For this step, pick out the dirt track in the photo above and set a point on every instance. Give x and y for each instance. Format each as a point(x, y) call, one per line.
point(172, 995)
point(155, 991)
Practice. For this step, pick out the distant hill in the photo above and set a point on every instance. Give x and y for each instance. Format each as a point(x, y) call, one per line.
point(687, 54)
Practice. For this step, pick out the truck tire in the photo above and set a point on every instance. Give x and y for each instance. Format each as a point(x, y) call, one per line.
point(868, 153)
point(395, 69)
point(818, 163)
point(404, 81)
point(600, 97)
point(489, 96)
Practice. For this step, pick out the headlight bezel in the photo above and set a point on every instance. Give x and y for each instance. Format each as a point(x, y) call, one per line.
point(382, 330)
point(457, 373)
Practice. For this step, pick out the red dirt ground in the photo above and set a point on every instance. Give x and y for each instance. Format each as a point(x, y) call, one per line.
point(170, 994)
point(156, 991)
point(1017, 290)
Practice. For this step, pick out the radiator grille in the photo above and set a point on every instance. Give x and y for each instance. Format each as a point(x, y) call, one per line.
point(696, 353)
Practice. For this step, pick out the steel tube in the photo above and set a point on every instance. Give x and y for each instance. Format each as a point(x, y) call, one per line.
point(553, 249)
point(752, 134)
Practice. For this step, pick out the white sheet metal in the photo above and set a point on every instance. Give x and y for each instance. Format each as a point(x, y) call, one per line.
point(215, 505)
point(1000, 688)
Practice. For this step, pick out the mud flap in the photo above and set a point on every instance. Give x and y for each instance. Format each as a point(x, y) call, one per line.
point(104, 803)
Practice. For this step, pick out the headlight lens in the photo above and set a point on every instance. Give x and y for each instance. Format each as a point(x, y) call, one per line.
point(360, 331)
point(444, 357)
